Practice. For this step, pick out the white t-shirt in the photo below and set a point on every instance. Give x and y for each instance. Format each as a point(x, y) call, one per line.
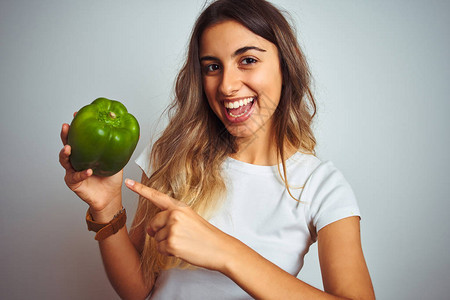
point(260, 212)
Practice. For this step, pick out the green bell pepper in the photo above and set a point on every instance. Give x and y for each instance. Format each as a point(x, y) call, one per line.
point(103, 136)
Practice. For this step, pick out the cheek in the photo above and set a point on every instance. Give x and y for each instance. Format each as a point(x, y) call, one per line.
point(210, 91)
point(268, 85)
point(210, 87)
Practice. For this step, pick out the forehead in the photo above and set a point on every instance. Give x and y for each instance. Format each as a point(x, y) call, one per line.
point(227, 36)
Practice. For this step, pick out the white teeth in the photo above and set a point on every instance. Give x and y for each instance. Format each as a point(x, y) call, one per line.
point(238, 103)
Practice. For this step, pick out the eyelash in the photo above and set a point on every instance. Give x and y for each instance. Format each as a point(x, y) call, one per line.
point(247, 60)
point(253, 60)
point(207, 68)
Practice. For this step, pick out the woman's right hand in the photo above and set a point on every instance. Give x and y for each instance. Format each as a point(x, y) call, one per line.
point(102, 194)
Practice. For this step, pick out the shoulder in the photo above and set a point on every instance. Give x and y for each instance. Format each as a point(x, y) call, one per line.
point(316, 174)
point(301, 166)
point(143, 160)
point(327, 196)
point(317, 170)
point(303, 162)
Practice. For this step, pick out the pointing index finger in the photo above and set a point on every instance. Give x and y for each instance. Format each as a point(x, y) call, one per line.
point(161, 200)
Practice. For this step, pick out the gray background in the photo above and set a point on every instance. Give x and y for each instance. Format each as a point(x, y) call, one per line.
point(381, 73)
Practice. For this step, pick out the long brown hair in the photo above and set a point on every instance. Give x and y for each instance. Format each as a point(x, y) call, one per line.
point(186, 160)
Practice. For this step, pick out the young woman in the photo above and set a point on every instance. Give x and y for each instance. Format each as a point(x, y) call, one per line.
point(232, 195)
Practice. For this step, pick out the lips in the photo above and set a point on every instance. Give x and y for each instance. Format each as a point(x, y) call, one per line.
point(238, 110)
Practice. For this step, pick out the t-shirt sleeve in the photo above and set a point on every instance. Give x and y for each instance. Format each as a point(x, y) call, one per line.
point(328, 198)
point(143, 161)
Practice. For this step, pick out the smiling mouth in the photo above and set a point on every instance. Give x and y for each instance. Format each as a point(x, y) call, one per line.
point(240, 107)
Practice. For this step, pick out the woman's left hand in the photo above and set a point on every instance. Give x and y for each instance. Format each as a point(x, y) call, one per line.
point(181, 232)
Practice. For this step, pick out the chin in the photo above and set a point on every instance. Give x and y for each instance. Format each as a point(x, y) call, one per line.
point(242, 131)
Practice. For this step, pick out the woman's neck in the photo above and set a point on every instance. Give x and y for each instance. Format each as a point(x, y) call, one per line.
point(256, 153)
point(260, 149)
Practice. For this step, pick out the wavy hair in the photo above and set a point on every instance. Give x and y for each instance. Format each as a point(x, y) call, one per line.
point(186, 160)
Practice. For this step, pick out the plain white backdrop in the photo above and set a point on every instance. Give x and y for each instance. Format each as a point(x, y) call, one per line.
point(381, 72)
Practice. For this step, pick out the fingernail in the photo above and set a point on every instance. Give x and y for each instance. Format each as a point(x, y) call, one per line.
point(129, 182)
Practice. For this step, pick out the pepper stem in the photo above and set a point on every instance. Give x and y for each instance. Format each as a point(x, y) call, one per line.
point(112, 115)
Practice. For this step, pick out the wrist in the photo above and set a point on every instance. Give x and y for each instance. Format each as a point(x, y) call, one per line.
point(231, 255)
point(107, 213)
point(104, 230)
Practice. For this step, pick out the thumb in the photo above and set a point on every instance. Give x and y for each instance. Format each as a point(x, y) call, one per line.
point(159, 199)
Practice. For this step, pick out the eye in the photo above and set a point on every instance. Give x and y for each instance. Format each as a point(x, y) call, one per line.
point(249, 61)
point(211, 68)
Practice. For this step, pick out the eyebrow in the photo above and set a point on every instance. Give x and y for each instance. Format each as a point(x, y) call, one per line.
point(236, 53)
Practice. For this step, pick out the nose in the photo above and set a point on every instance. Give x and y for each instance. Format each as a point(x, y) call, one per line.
point(230, 82)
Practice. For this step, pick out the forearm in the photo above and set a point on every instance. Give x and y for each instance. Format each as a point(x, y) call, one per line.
point(264, 280)
point(122, 265)
point(121, 259)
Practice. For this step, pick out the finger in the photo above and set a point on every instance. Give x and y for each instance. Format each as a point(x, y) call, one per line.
point(64, 157)
point(74, 114)
point(165, 248)
point(161, 200)
point(161, 234)
point(158, 222)
point(73, 178)
point(64, 133)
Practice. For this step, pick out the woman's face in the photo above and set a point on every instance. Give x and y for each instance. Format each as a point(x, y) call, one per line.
point(241, 77)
